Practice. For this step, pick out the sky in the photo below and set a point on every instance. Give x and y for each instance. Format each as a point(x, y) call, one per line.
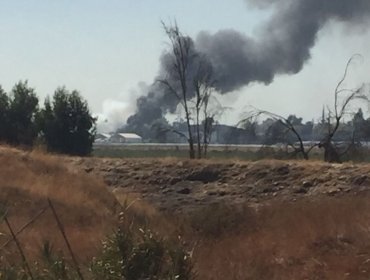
point(109, 51)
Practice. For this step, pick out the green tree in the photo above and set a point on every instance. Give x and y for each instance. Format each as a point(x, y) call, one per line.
point(66, 123)
point(4, 115)
point(23, 107)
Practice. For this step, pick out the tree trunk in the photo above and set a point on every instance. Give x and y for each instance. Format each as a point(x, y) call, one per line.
point(198, 137)
point(304, 153)
point(205, 138)
point(330, 153)
point(191, 148)
point(190, 138)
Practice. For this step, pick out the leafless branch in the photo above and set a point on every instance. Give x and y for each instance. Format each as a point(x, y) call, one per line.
point(286, 123)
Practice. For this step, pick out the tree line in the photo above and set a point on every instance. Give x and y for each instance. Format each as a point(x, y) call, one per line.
point(333, 137)
point(63, 124)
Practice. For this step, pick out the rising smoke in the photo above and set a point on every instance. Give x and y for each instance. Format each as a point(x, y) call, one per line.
point(284, 42)
point(282, 46)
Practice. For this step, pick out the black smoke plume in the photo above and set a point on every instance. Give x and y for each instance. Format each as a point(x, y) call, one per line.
point(282, 46)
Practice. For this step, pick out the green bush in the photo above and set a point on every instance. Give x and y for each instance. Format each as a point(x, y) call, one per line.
point(141, 256)
point(127, 254)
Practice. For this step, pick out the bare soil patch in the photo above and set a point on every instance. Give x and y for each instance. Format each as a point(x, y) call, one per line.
point(182, 185)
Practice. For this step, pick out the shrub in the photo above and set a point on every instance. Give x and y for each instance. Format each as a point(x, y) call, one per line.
point(141, 256)
point(51, 266)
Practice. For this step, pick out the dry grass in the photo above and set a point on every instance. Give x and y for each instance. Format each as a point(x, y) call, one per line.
point(311, 238)
point(86, 208)
point(323, 239)
point(316, 237)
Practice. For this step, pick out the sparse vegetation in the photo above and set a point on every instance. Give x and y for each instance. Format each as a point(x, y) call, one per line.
point(299, 236)
point(125, 255)
point(88, 216)
point(27, 180)
point(219, 152)
point(319, 239)
point(274, 197)
point(145, 256)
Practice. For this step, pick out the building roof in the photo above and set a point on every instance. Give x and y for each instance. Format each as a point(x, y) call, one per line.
point(106, 135)
point(129, 135)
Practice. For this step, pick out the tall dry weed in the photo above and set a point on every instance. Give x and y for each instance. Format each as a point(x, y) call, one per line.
point(322, 239)
point(86, 207)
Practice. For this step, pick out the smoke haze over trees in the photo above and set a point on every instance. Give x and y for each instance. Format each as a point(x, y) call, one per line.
point(282, 46)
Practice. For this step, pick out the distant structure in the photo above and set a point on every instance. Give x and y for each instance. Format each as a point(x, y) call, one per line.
point(102, 137)
point(125, 138)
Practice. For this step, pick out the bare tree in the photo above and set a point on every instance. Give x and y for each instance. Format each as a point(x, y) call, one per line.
point(212, 110)
point(181, 55)
point(203, 86)
point(343, 97)
point(208, 120)
point(191, 81)
point(298, 146)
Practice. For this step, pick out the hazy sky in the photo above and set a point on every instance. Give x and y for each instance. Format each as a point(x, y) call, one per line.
point(105, 49)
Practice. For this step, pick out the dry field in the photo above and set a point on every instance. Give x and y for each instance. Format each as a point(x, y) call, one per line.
point(238, 220)
point(84, 205)
point(252, 220)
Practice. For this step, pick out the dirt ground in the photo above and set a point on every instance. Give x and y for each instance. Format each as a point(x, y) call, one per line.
point(182, 185)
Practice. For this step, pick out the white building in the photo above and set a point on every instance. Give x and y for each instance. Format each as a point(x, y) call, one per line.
point(126, 138)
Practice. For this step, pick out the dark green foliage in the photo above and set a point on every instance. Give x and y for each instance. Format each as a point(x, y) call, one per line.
point(66, 123)
point(20, 120)
point(4, 115)
point(17, 115)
